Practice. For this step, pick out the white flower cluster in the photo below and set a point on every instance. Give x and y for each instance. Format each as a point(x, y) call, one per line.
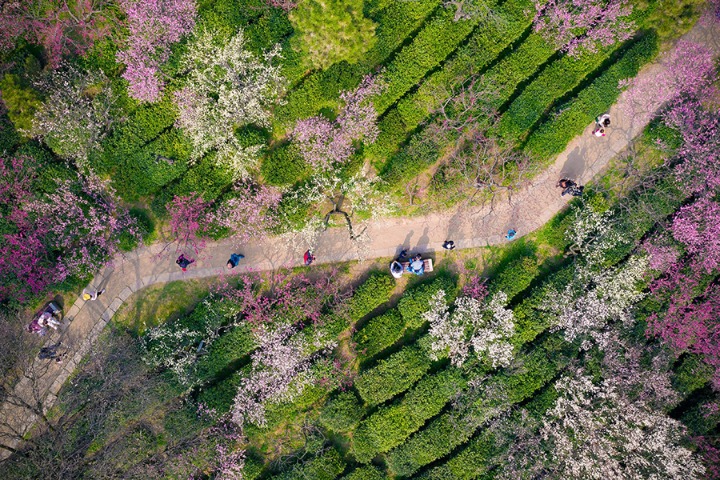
point(603, 297)
point(592, 234)
point(76, 113)
point(596, 432)
point(280, 370)
point(227, 87)
point(484, 326)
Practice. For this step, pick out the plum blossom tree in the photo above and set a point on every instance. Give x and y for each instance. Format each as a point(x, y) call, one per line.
point(486, 326)
point(577, 25)
point(596, 432)
point(154, 25)
point(593, 299)
point(324, 143)
point(76, 114)
point(249, 213)
point(63, 27)
point(188, 215)
point(227, 87)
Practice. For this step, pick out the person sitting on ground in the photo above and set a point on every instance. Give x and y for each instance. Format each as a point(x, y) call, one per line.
point(91, 294)
point(184, 262)
point(234, 260)
point(396, 269)
point(47, 320)
point(36, 327)
point(308, 258)
point(448, 245)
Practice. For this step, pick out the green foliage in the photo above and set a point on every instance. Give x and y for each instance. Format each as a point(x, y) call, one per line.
point(416, 301)
point(147, 230)
point(429, 48)
point(331, 31)
point(392, 424)
point(284, 165)
point(365, 473)
point(374, 291)
point(571, 119)
point(21, 102)
point(220, 396)
point(324, 467)
point(393, 375)
point(342, 413)
point(9, 137)
point(702, 417)
point(498, 394)
point(321, 89)
point(692, 374)
point(379, 333)
point(516, 276)
point(227, 349)
point(672, 18)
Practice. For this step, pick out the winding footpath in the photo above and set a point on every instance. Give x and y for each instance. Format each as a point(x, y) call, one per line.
point(527, 210)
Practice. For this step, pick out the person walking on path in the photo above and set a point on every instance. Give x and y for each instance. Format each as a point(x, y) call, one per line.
point(601, 123)
point(448, 245)
point(184, 262)
point(91, 294)
point(570, 187)
point(234, 260)
point(511, 234)
point(50, 353)
point(308, 258)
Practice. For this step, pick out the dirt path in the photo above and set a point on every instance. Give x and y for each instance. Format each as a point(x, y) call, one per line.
point(528, 209)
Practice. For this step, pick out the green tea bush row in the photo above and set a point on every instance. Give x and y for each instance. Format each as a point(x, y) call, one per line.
point(392, 424)
point(394, 374)
point(556, 80)
point(230, 347)
point(324, 467)
point(499, 393)
point(321, 89)
point(516, 276)
point(374, 291)
point(342, 413)
point(416, 300)
point(383, 331)
point(379, 333)
point(440, 37)
point(692, 374)
point(570, 119)
point(365, 473)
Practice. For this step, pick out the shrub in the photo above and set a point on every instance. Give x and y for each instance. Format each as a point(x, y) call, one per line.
point(342, 413)
point(379, 333)
point(448, 431)
point(365, 473)
point(146, 227)
point(230, 347)
point(284, 166)
point(515, 277)
point(21, 102)
point(416, 301)
point(324, 467)
point(571, 119)
point(392, 424)
point(220, 396)
point(331, 31)
point(9, 137)
point(431, 45)
point(374, 291)
point(692, 374)
point(393, 375)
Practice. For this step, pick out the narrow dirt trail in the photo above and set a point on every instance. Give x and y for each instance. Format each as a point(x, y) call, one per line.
point(529, 209)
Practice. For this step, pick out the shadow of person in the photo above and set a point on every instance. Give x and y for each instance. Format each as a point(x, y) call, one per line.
point(574, 166)
point(424, 240)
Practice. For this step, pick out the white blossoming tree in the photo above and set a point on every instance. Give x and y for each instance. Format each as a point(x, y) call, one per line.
point(76, 113)
point(596, 432)
point(484, 326)
point(586, 305)
point(227, 87)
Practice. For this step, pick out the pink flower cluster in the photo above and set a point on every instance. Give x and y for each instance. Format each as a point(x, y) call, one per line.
point(154, 25)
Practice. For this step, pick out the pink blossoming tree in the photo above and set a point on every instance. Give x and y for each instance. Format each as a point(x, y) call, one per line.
point(154, 25)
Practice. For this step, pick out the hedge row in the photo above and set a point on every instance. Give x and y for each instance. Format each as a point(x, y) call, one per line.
point(230, 347)
point(392, 424)
point(479, 455)
point(499, 394)
point(379, 333)
point(374, 291)
point(570, 119)
point(440, 37)
point(394, 374)
point(343, 413)
point(365, 473)
point(383, 331)
point(321, 89)
point(515, 277)
point(324, 467)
